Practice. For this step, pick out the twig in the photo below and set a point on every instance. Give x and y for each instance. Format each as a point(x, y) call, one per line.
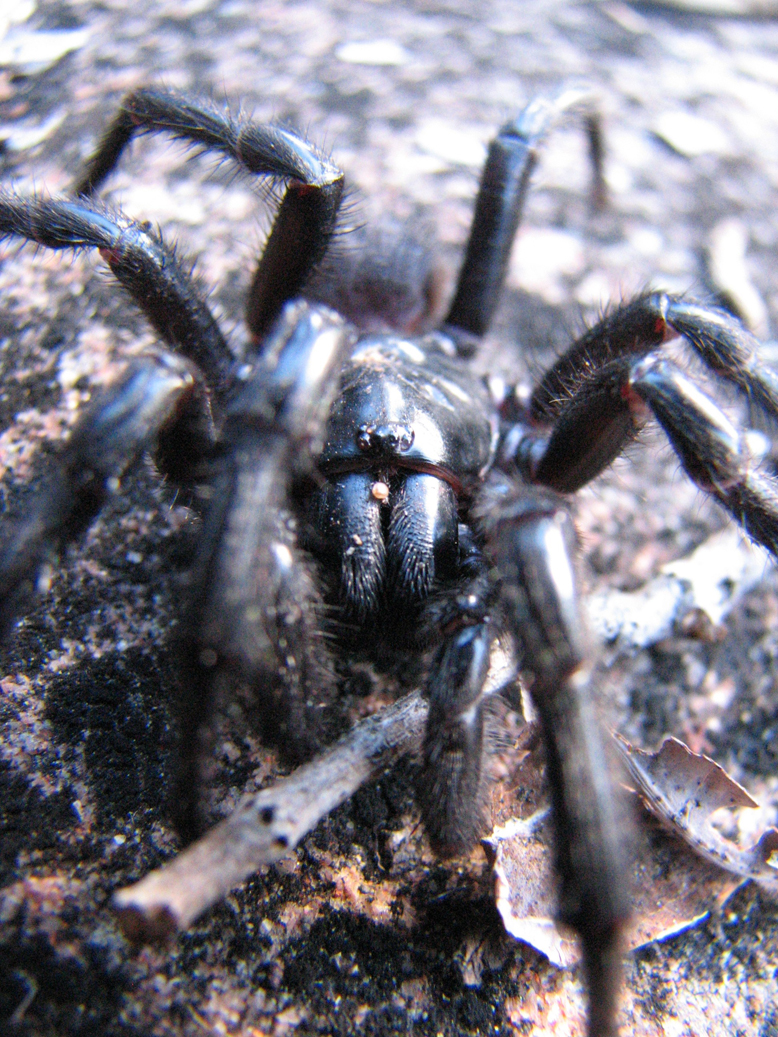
point(267, 825)
point(708, 583)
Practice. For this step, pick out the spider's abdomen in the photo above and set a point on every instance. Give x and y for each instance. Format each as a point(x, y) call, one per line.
point(410, 434)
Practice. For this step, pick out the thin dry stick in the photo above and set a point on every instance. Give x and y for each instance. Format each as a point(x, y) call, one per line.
point(267, 825)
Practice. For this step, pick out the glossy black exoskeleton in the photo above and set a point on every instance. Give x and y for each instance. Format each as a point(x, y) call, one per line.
point(409, 439)
point(362, 484)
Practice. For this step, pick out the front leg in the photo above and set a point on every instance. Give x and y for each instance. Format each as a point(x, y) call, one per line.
point(255, 610)
point(531, 539)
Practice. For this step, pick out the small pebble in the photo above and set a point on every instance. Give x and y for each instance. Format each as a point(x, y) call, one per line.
point(690, 135)
point(372, 52)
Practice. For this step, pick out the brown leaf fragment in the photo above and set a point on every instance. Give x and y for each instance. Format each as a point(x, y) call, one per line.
point(682, 782)
point(525, 887)
point(683, 790)
point(672, 887)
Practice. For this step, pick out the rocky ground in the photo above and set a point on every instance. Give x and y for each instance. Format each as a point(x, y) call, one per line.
point(362, 928)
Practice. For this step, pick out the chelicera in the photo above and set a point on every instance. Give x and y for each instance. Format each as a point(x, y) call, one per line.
point(365, 492)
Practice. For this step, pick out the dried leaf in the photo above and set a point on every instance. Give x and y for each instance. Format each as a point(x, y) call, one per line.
point(684, 789)
point(525, 887)
point(682, 785)
point(673, 888)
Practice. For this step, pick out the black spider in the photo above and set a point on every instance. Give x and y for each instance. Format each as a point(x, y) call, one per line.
point(365, 493)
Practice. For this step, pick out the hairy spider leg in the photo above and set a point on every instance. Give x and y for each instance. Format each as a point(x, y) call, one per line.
point(141, 262)
point(503, 189)
point(154, 395)
point(531, 538)
point(600, 392)
point(305, 221)
point(256, 609)
point(273, 428)
point(642, 326)
point(710, 448)
point(727, 348)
